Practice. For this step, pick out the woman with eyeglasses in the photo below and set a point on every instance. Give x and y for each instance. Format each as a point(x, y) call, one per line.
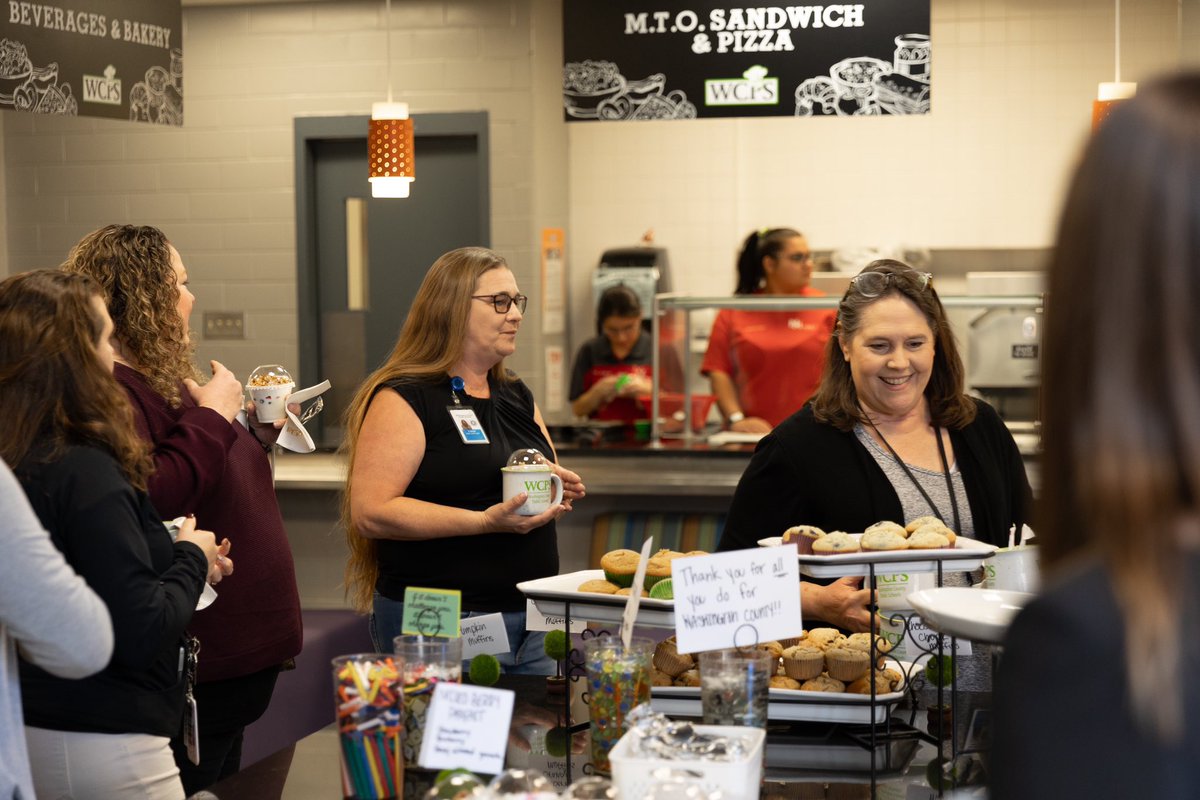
point(423, 504)
point(890, 435)
point(1110, 641)
point(763, 365)
point(209, 464)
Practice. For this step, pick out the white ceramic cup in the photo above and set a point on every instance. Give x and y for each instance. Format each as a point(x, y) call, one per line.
point(270, 402)
point(544, 487)
point(1013, 569)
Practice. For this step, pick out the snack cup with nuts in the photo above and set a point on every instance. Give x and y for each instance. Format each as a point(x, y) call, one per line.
point(270, 386)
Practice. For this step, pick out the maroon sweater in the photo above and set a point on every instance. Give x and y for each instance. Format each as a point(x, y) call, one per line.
point(219, 472)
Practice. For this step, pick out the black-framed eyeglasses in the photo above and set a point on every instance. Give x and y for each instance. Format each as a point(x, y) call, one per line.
point(503, 302)
point(873, 284)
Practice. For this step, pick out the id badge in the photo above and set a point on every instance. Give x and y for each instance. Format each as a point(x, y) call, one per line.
point(191, 729)
point(467, 425)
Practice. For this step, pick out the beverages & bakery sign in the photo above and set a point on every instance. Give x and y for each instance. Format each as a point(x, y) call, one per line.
point(646, 59)
point(97, 58)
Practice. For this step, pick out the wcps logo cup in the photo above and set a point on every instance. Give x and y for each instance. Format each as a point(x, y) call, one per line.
point(545, 489)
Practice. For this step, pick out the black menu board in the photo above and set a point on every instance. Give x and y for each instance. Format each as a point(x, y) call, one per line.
point(635, 59)
point(94, 58)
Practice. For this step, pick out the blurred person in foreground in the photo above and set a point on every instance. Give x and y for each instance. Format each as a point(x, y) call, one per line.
point(423, 504)
point(890, 435)
point(1111, 643)
point(208, 464)
point(73, 447)
point(70, 637)
point(763, 365)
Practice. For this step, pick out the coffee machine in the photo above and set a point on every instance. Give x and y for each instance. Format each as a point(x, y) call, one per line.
point(1004, 345)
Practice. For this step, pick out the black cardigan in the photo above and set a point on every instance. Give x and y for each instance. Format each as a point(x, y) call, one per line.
point(809, 473)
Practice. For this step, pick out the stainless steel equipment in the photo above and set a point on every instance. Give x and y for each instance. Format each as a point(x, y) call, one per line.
point(1004, 344)
point(644, 270)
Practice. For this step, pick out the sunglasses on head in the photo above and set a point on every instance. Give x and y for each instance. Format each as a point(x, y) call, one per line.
point(873, 284)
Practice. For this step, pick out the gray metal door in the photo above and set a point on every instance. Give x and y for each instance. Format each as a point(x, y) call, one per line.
point(349, 321)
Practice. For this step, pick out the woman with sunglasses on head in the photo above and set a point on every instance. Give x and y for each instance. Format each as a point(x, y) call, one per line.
point(209, 464)
point(423, 504)
point(1110, 641)
point(763, 365)
point(71, 441)
point(889, 435)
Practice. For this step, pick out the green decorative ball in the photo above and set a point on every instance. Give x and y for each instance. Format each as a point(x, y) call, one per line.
point(940, 671)
point(557, 741)
point(485, 670)
point(556, 644)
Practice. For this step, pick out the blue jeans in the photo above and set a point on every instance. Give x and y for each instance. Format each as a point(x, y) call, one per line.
point(526, 655)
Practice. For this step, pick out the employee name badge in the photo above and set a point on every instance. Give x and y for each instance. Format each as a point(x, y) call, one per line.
point(467, 425)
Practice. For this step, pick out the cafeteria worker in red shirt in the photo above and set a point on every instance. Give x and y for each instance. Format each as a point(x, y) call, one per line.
point(612, 369)
point(764, 365)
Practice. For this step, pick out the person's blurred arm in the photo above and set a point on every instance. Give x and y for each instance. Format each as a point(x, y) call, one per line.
point(59, 623)
point(601, 393)
point(718, 366)
point(390, 448)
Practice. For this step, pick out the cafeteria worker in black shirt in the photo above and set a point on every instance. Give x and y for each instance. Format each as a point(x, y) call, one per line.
point(423, 504)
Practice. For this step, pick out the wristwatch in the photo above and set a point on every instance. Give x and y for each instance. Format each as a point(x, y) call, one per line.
point(736, 417)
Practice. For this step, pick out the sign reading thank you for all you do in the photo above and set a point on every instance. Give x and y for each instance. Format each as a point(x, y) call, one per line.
point(648, 59)
point(95, 58)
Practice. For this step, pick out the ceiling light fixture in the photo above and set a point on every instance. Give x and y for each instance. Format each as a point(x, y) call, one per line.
point(390, 137)
point(1110, 93)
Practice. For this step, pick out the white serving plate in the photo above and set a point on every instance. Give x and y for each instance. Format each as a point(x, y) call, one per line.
point(966, 555)
point(552, 594)
point(982, 615)
point(793, 704)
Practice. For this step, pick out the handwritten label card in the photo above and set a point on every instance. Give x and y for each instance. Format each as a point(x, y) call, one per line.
point(431, 612)
point(467, 727)
point(484, 634)
point(736, 599)
point(537, 621)
point(920, 639)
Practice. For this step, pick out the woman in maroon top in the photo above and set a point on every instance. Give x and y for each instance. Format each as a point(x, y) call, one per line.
point(208, 464)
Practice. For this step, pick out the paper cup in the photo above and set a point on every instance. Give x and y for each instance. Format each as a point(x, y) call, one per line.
point(1013, 569)
point(270, 402)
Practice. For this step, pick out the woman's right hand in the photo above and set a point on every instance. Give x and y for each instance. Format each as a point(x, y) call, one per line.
point(222, 394)
point(751, 425)
point(503, 517)
point(205, 540)
point(844, 603)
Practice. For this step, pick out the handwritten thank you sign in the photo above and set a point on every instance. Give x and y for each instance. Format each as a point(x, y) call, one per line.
point(467, 727)
point(736, 599)
point(95, 58)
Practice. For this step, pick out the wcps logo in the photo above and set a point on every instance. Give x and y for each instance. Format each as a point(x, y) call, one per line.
point(754, 88)
point(104, 89)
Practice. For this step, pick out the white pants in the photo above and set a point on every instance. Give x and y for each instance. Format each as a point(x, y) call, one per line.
point(68, 765)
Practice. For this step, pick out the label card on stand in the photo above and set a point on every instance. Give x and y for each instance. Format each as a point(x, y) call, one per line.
point(467, 727)
point(484, 634)
point(736, 599)
point(431, 612)
point(537, 621)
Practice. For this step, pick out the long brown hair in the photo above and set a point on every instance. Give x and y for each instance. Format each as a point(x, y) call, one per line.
point(132, 264)
point(430, 344)
point(54, 391)
point(1121, 379)
point(836, 400)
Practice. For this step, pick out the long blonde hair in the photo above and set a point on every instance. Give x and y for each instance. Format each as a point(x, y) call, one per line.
point(132, 264)
point(1121, 381)
point(430, 344)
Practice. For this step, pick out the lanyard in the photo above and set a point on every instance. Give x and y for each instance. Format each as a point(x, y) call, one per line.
point(937, 431)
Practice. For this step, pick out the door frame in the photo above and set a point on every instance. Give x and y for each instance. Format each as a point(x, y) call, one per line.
point(311, 130)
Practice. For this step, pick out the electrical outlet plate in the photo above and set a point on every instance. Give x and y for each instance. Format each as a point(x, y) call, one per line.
point(224, 325)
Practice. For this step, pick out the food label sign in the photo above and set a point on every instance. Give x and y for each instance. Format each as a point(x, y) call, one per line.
point(95, 58)
point(736, 599)
point(641, 59)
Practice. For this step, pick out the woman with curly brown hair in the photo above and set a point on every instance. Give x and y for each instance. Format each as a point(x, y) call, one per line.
point(208, 464)
point(71, 442)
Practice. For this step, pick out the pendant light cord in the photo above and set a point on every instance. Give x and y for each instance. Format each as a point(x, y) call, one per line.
point(387, 21)
point(1118, 44)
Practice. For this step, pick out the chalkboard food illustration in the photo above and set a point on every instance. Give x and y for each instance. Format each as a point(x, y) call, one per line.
point(28, 88)
point(159, 98)
point(864, 86)
point(598, 90)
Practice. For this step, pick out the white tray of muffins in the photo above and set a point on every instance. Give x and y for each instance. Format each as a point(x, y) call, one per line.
point(821, 676)
point(886, 548)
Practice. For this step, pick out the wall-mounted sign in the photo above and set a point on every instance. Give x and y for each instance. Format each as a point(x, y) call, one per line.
point(94, 58)
point(638, 59)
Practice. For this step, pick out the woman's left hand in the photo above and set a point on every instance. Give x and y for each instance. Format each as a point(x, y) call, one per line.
point(267, 432)
point(223, 566)
point(573, 488)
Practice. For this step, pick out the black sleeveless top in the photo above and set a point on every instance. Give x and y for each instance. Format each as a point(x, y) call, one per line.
point(487, 567)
